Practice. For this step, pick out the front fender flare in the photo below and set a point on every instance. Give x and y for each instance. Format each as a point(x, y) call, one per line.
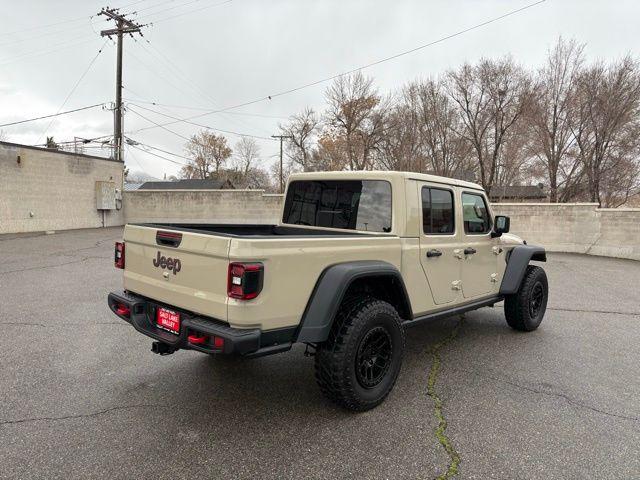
point(517, 263)
point(330, 290)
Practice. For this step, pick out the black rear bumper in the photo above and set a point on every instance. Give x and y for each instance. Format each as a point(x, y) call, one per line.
point(248, 342)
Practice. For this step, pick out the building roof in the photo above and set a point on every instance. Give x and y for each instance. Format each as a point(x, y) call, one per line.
point(188, 184)
point(517, 191)
point(131, 186)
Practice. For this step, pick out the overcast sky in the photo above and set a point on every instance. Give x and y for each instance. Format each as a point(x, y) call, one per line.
point(206, 54)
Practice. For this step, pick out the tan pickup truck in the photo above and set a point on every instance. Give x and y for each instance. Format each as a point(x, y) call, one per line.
point(356, 258)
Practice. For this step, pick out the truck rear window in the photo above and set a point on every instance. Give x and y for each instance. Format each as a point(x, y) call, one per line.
point(350, 204)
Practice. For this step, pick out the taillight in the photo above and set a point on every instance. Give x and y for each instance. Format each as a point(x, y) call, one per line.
point(245, 280)
point(119, 255)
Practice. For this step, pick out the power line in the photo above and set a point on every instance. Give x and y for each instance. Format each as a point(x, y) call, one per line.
point(230, 132)
point(53, 115)
point(164, 9)
point(185, 79)
point(38, 53)
point(74, 87)
point(159, 156)
point(153, 22)
point(156, 124)
point(185, 107)
point(362, 67)
point(135, 142)
point(38, 27)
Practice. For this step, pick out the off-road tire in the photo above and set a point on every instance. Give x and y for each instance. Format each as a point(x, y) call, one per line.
point(525, 309)
point(358, 321)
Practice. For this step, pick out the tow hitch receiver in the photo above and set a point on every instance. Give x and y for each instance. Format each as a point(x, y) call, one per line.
point(162, 348)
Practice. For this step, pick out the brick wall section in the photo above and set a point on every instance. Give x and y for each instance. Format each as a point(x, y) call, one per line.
point(201, 206)
point(59, 188)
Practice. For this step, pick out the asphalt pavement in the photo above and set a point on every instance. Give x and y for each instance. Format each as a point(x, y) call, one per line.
point(81, 395)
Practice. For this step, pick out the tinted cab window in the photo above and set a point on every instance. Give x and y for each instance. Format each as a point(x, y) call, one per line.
point(349, 204)
point(437, 211)
point(475, 214)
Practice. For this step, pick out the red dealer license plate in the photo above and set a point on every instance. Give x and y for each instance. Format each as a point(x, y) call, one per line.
point(168, 320)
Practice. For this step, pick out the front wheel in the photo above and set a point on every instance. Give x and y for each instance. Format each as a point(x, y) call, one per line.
point(525, 309)
point(359, 363)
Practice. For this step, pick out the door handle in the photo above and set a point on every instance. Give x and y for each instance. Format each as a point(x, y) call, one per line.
point(469, 251)
point(434, 253)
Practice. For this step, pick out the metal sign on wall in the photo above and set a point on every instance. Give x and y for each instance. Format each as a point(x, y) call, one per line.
point(105, 195)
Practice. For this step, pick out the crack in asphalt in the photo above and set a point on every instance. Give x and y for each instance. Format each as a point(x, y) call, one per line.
point(539, 391)
point(613, 312)
point(83, 259)
point(80, 415)
point(443, 439)
point(64, 324)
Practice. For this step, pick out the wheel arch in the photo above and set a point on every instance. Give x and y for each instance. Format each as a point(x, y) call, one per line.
point(379, 279)
point(517, 263)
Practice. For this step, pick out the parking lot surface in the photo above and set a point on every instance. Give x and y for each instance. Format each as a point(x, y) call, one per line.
point(81, 395)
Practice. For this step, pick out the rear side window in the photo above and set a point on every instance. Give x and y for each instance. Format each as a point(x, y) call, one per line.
point(437, 211)
point(475, 213)
point(349, 204)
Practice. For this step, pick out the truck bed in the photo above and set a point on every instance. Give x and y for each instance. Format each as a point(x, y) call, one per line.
point(190, 271)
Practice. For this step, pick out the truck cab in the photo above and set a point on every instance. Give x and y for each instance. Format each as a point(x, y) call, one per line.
point(392, 249)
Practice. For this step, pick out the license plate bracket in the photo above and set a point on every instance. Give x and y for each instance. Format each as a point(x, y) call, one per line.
point(168, 320)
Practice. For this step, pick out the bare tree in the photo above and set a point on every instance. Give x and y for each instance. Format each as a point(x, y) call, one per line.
point(606, 133)
point(443, 150)
point(400, 145)
point(302, 130)
point(491, 97)
point(356, 116)
point(209, 152)
point(247, 154)
point(331, 153)
point(552, 115)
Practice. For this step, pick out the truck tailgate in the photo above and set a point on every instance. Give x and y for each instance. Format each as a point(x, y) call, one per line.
point(191, 275)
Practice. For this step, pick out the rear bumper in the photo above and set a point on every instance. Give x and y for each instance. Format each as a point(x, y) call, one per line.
point(248, 342)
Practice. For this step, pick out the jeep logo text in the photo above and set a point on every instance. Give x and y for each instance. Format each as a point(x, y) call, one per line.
point(172, 264)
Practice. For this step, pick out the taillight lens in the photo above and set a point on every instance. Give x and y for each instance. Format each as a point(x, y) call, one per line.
point(245, 280)
point(119, 255)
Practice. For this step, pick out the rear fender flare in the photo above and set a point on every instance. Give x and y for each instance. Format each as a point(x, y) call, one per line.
point(517, 263)
point(331, 288)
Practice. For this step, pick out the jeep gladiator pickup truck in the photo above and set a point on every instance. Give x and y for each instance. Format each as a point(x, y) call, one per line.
point(356, 258)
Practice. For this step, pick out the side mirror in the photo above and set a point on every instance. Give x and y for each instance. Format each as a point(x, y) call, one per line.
point(500, 225)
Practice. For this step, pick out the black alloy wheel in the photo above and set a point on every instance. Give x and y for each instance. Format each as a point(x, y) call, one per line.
point(374, 357)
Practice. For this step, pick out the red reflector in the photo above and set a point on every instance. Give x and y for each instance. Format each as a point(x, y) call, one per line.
point(218, 342)
point(122, 310)
point(119, 255)
point(197, 339)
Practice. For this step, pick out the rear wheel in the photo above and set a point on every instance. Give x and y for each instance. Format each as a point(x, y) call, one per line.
point(525, 309)
point(359, 363)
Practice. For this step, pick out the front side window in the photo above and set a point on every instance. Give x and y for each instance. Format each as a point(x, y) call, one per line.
point(349, 204)
point(437, 211)
point(475, 214)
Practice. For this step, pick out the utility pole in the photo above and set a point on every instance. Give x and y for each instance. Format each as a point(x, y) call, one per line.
point(281, 137)
point(123, 26)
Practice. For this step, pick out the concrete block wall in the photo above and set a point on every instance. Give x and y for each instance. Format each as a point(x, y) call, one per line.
point(44, 189)
point(576, 227)
point(559, 227)
point(201, 206)
point(619, 234)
